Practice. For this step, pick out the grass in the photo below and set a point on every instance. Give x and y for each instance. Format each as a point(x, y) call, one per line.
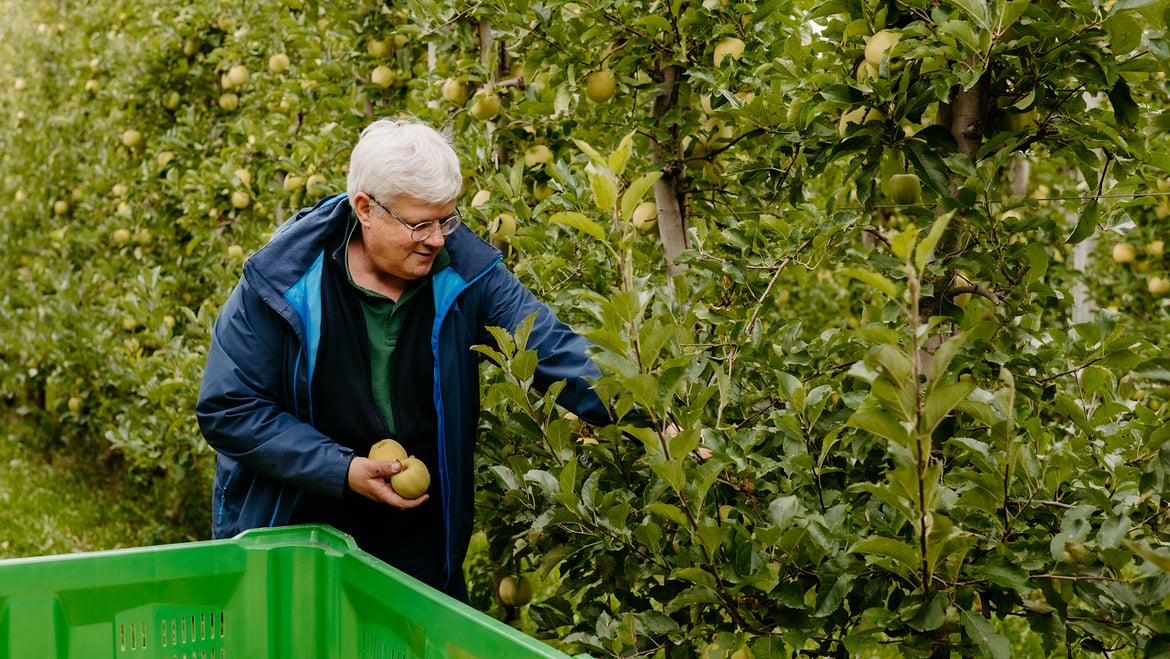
point(60, 503)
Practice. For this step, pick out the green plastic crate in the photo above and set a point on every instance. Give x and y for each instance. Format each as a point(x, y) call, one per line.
point(282, 593)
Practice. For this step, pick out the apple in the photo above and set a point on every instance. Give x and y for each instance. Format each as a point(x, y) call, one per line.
point(165, 157)
point(172, 100)
point(1158, 285)
point(129, 323)
point(235, 252)
point(92, 86)
point(504, 227)
point(278, 63)
point(60, 207)
point(1124, 253)
point(515, 590)
point(865, 71)
point(238, 75)
point(645, 216)
point(878, 45)
point(1155, 248)
point(74, 404)
point(414, 479)
point(862, 115)
point(229, 101)
point(486, 105)
point(537, 154)
point(905, 189)
point(293, 183)
point(481, 198)
point(541, 191)
point(240, 199)
point(729, 47)
point(19, 84)
point(20, 197)
point(378, 48)
point(316, 184)
point(118, 190)
point(961, 280)
point(243, 176)
point(600, 85)
point(383, 76)
point(132, 138)
point(388, 450)
point(121, 236)
point(454, 91)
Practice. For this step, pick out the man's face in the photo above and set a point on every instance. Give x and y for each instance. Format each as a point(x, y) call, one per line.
point(391, 251)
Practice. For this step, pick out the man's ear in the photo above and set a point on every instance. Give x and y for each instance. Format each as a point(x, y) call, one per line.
point(362, 207)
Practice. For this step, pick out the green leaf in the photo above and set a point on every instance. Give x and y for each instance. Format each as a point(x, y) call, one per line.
point(1005, 574)
point(906, 556)
point(668, 512)
point(1124, 109)
point(941, 359)
point(672, 472)
point(925, 248)
point(524, 365)
point(1129, 5)
point(980, 630)
point(963, 32)
point(1087, 223)
point(1012, 12)
point(941, 401)
point(621, 155)
point(712, 535)
point(896, 364)
point(783, 510)
point(976, 9)
point(695, 575)
point(881, 424)
point(930, 167)
point(684, 442)
point(579, 222)
point(902, 242)
point(636, 191)
point(593, 154)
point(605, 188)
point(1036, 260)
point(873, 280)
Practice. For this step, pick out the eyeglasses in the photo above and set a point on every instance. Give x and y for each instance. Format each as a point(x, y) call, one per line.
point(423, 230)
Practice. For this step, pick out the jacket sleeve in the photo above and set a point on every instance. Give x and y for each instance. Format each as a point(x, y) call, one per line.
point(562, 354)
point(246, 407)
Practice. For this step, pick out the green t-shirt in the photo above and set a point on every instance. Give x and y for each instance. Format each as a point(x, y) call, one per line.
point(383, 318)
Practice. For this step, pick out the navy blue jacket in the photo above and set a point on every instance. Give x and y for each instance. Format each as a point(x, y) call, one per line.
point(255, 406)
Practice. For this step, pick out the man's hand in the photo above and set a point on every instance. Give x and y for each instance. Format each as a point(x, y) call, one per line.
point(370, 478)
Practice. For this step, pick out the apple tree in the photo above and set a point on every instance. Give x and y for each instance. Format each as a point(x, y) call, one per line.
point(892, 426)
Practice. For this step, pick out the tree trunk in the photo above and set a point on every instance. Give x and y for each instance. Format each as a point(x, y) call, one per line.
point(668, 193)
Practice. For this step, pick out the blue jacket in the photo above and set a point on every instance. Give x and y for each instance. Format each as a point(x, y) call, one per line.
point(255, 406)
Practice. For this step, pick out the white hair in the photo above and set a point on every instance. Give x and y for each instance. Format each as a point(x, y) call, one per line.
point(404, 157)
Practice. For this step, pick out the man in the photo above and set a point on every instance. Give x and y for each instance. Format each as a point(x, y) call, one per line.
point(353, 324)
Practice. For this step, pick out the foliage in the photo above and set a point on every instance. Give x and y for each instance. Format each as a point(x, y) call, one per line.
point(873, 426)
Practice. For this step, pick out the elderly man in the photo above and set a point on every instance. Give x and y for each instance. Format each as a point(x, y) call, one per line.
point(353, 324)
